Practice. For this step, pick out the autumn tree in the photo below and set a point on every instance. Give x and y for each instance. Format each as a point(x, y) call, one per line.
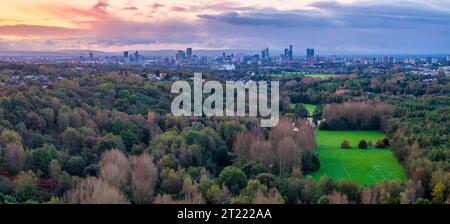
point(25, 185)
point(114, 168)
point(94, 191)
point(144, 177)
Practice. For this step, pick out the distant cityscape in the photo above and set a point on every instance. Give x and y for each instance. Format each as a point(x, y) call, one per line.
point(264, 61)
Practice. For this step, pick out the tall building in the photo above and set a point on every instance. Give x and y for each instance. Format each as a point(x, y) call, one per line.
point(448, 58)
point(265, 54)
point(180, 56)
point(125, 54)
point(136, 56)
point(291, 52)
point(189, 54)
point(309, 52)
point(286, 53)
point(91, 55)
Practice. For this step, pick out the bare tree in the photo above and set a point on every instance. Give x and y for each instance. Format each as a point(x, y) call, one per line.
point(114, 168)
point(337, 198)
point(144, 177)
point(94, 191)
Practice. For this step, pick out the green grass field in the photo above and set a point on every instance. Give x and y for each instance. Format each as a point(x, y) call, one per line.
point(321, 75)
point(309, 107)
point(364, 166)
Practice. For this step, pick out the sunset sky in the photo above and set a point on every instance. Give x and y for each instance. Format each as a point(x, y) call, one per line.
point(332, 27)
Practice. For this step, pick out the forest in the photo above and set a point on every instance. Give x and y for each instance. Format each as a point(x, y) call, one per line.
point(106, 135)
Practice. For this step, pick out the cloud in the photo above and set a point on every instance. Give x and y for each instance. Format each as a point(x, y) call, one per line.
point(272, 19)
point(37, 31)
point(386, 14)
point(156, 6)
point(331, 26)
point(178, 9)
point(339, 15)
point(130, 8)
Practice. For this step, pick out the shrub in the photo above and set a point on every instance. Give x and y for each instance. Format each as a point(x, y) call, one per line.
point(362, 144)
point(380, 144)
point(232, 176)
point(386, 142)
point(345, 144)
point(370, 143)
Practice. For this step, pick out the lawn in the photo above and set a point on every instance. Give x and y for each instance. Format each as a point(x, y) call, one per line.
point(364, 166)
point(321, 75)
point(309, 107)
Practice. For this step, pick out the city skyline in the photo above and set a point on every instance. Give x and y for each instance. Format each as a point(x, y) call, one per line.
point(331, 27)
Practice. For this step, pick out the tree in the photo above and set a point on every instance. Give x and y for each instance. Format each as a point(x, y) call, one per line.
point(362, 144)
point(75, 166)
point(110, 141)
point(386, 142)
point(172, 183)
point(438, 193)
point(337, 198)
point(42, 157)
point(326, 185)
point(345, 144)
point(228, 131)
point(114, 168)
point(301, 111)
point(10, 137)
point(252, 169)
point(144, 177)
point(15, 158)
point(232, 177)
point(72, 140)
point(94, 191)
point(25, 185)
point(380, 144)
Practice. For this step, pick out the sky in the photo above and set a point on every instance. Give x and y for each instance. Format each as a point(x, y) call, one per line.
point(329, 26)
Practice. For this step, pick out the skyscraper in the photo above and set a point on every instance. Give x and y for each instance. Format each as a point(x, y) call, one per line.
point(91, 55)
point(125, 54)
point(136, 56)
point(448, 58)
point(265, 54)
point(291, 53)
point(286, 54)
point(180, 56)
point(309, 52)
point(189, 54)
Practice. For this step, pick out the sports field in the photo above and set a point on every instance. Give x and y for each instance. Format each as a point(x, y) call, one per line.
point(364, 166)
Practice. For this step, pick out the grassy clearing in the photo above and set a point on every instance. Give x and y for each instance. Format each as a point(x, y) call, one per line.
point(309, 107)
point(364, 166)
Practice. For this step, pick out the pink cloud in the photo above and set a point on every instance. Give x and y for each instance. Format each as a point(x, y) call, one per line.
point(178, 9)
point(24, 30)
point(156, 6)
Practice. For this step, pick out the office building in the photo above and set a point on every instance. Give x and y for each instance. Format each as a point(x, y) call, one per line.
point(265, 54)
point(125, 54)
point(291, 53)
point(189, 54)
point(309, 52)
point(180, 56)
